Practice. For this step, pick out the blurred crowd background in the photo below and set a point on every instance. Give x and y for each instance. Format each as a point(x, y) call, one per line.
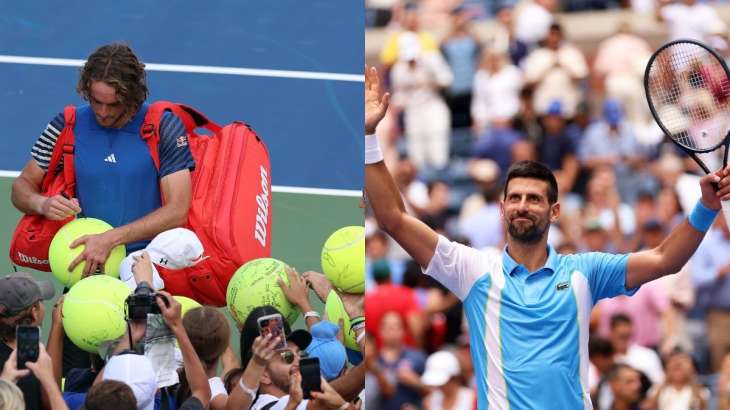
point(479, 84)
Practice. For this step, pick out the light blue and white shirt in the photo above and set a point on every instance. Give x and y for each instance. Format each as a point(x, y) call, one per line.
point(529, 331)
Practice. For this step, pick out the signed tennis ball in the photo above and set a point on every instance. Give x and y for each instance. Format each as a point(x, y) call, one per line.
point(343, 259)
point(93, 311)
point(60, 255)
point(335, 311)
point(254, 285)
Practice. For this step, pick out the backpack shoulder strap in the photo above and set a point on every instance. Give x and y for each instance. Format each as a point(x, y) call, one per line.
point(190, 117)
point(64, 148)
point(269, 405)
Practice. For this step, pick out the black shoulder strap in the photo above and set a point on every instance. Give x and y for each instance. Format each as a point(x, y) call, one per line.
point(269, 405)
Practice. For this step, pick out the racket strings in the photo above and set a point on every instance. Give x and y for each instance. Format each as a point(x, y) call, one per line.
point(690, 91)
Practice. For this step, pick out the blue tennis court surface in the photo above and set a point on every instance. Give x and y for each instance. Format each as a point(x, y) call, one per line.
point(313, 127)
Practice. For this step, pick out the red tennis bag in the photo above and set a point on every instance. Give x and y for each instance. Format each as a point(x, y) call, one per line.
point(231, 200)
point(34, 233)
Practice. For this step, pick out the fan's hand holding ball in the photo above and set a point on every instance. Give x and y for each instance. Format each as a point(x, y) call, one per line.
point(78, 242)
point(255, 284)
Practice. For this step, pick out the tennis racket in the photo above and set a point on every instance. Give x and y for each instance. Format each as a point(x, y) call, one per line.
point(687, 86)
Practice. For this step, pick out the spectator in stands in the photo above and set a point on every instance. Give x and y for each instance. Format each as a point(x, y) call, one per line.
point(402, 366)
point(612, 143)
point(499, 143)
point(43, 371)
point(555, 70)
point(690, 19)
point(209, 333)
point(417, 80)
point(479, 217)
point(11, 398)
point(600, 355)
point(556, 149)
point(442, 376)
point(648, 309)
point(605, 206)
point(669, 209)
point(533, 21)
point(527, 122)
point(680, 390)
point(619, 71)
point(21, 303)
point(409, 23)
point(625, 383)
point(388, 297)
point(711, 276)
point(461, 51)
point(497, 85)
point(631, 354)
point(110, 391)
point(503, 40)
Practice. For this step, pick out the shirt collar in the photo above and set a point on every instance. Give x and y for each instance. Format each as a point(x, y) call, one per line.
point(510, 265)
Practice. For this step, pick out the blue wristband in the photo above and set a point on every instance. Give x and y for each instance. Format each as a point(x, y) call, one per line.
point(702, 217)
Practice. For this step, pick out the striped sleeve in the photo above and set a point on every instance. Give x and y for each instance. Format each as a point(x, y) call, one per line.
point(174, 149)
point(43, 147)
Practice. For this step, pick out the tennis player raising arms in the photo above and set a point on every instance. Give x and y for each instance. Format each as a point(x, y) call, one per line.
point(527, 306)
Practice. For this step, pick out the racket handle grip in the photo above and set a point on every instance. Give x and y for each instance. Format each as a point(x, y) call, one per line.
point(726, 211)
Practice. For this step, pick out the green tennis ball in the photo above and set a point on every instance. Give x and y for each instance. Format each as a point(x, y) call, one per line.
point(93, 311)
point(343, 259)
point(254, 285)
point(60, 255)
point(336, 311)
point(186, 303)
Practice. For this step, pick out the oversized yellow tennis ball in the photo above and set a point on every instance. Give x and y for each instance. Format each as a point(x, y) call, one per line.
point(336, 311)
point(186, 303)
point(343, 259)
point(93, 311)
point(254, 285)
point(60, 255)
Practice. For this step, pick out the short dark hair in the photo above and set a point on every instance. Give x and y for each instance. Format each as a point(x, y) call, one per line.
point(110, 391)
point(616, 370)
point(208, 331)
point(534, 170)
point(620, 318)
point(117, 65)
point(598, 346)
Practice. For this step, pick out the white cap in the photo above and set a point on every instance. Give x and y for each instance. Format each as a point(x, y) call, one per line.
point(440, 368)
point(175, 249)
point(134, 370)
point(127, 276)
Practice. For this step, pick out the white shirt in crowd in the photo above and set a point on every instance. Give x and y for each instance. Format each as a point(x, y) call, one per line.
point(645, 360)
point(693, 22)
point(555, 72)
point(496, 94)
point(464, 400)
point(281, 402)
point(682, 399)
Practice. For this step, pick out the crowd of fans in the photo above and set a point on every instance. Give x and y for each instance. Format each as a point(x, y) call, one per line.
point(212, 374)
point(466, 106)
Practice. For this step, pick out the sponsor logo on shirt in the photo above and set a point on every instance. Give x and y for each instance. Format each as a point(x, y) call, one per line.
point(111, 158)
point(182, 141)
point(562, 286)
